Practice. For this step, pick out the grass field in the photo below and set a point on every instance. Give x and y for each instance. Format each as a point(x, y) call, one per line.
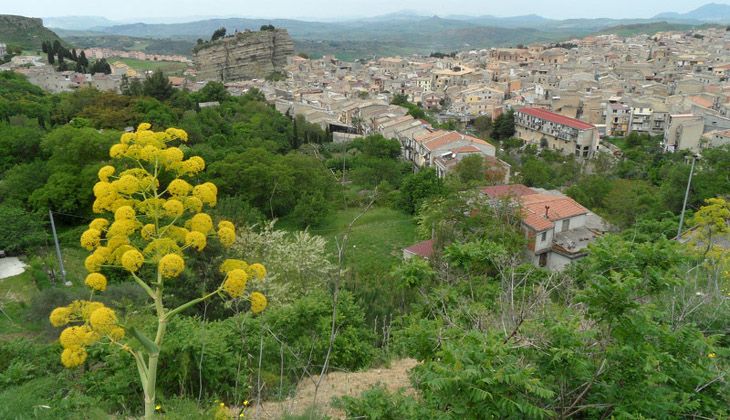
point(168, 67)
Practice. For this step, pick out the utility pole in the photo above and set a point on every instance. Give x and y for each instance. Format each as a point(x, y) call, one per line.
point(58, 249)
point(686, 195)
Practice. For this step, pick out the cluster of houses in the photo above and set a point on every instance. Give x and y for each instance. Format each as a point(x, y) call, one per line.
point(670, 84)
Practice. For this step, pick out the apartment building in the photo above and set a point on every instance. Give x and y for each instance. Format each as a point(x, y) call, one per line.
point(554, 131)
point(683, 132)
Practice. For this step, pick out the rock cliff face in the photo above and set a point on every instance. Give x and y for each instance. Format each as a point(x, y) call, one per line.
point(27, 33)
point(246, 55)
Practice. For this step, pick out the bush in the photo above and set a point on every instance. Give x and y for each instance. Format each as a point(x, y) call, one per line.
point(378, 403)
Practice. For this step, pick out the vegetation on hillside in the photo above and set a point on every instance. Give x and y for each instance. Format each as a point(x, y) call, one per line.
point(635, 329)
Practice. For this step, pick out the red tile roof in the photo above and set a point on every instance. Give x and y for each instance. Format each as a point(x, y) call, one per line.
point(422, 249)
point(559, 208)
point(556, 118)
point(514, 190)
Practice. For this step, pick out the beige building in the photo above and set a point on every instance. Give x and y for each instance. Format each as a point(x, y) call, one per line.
point(683, 132)
point(554, 131)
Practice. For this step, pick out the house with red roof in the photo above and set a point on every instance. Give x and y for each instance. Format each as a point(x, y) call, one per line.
point(558, 229)
point(547, 129)
point(443, 150)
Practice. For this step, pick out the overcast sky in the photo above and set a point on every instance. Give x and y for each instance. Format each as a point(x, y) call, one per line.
point(138, 10)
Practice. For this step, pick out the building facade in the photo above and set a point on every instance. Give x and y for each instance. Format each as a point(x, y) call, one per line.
point(557, 132)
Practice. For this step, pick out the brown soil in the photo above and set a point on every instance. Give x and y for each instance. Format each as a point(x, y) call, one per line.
point(335, 384)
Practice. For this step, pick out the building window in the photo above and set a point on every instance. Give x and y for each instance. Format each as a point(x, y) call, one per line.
point(543, 237)
point(566, 224)
point(543, 260)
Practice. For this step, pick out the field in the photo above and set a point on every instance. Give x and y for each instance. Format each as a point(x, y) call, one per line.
point(168, 67)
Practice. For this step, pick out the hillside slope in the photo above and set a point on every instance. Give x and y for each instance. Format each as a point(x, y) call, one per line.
point(24, 32)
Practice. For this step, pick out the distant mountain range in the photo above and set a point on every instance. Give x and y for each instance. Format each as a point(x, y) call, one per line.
point(401, 33)
point(711, 12)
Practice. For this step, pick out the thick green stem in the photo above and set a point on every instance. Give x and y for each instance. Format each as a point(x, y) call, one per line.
point(151, 380)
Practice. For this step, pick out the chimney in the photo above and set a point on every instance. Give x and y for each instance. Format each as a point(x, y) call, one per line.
point(546, 211)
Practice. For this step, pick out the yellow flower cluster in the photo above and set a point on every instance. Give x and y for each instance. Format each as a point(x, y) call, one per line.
point(90, 239)
point(257, 271)
point(258, 302)
point(226, 233)
point(171, 265)
point(132, 260)
point(97, 321)
point(202, 223)
point(235, 283)
point(196, 240)
point(238, 272)
point(233, 264)
point(96, 281)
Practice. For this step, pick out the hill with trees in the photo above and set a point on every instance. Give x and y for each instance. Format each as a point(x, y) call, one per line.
point(26, 33)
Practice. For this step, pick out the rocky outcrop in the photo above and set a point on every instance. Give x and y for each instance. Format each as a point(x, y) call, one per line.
point(26, 33)
point(245, 55)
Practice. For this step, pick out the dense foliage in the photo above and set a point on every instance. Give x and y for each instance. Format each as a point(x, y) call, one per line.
point(637, 329)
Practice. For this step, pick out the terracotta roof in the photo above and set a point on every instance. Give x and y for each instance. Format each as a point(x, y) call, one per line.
point(514, 190)
point(559, 208)
point(466, 149)
point(703, 102)
point(556, 118)
point(422, 249)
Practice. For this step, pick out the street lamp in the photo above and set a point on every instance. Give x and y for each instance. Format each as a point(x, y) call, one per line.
point(695, 158)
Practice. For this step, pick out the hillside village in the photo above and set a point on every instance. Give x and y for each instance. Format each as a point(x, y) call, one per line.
point(565, 97)
point(538, 230)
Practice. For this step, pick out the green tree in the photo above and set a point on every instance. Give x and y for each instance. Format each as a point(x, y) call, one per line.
point(20, 231)
point(418, 187)
point(157, 86)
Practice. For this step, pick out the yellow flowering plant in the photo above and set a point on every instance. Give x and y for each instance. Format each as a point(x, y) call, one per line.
point(145, 228)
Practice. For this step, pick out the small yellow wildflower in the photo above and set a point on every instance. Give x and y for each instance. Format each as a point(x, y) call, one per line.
point(171, 265)
point(96, 281)
point(712, 355)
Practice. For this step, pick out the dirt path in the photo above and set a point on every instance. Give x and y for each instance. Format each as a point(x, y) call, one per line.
point(336, 384)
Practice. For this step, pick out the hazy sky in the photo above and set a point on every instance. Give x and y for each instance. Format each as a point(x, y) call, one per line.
point(139, 9)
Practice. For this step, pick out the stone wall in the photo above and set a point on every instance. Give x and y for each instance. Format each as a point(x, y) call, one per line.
point(245, 55)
